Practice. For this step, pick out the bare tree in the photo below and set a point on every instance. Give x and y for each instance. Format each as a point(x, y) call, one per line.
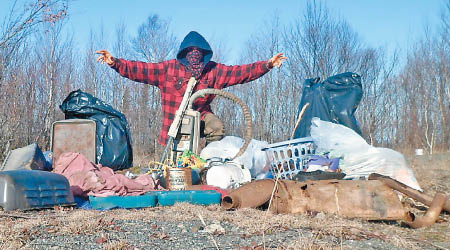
point(272, 98)
point(121, 49)
point(377, 71)
point(23, 21)
point(422, 92)
point(221, 52)
point(154, 43)
point(20, 74)
point(443, 83)
point(266, 96)
point(53, 55)
point(320, 45)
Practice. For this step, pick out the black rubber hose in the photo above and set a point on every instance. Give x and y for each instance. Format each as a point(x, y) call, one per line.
point(247, 115)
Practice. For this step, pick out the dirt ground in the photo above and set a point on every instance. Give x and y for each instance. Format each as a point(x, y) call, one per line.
point(181, 226)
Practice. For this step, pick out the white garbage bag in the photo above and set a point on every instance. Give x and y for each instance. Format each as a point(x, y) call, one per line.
point(253, 159)
point(358, 158)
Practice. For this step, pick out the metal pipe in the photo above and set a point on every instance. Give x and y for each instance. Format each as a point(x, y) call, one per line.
point(430, 216)
point(247, 115)
point(251, 195)
point(402, 188)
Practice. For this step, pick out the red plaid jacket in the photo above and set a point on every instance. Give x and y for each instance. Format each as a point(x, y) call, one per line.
point(171, 78)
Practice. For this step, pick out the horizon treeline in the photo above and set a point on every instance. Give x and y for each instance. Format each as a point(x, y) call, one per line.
point(406, 101)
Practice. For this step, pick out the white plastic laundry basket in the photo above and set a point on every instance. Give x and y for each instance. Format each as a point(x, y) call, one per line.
point(287, 158)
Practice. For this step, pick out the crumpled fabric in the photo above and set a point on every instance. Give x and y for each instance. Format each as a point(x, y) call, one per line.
point(86, 178)
point(333, 163)
point(194, 58)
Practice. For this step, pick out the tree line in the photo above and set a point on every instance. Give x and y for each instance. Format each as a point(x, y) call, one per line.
point(406, 101)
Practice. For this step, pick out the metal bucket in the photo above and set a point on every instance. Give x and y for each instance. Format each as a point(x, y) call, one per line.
point(178, 178)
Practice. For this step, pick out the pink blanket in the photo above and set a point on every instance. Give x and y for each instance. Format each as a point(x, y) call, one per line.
point(86, 178)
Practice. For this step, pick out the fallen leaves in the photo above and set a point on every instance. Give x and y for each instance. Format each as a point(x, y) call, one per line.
point(102, 239)
point(160, 235)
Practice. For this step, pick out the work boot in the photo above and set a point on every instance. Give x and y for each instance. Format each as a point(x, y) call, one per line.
point(214, 128)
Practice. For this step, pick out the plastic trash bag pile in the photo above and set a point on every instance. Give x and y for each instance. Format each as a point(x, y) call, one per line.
point(358, 158)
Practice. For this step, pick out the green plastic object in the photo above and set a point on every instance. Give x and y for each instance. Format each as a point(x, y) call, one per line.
point(110, 202)
point(198, 197)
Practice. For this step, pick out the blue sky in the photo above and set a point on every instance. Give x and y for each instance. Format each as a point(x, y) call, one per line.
point(379, 23)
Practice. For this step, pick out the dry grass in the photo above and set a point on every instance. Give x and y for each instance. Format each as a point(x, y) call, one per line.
point(118, 245)
point(324, 231)
point(433, 173)
point(307, 242)
point(15, 233)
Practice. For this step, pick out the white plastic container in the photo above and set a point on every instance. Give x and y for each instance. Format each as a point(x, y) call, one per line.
point(228, 175)
point(288, 158)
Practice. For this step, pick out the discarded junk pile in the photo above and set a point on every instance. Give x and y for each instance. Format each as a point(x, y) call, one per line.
point(325, 166)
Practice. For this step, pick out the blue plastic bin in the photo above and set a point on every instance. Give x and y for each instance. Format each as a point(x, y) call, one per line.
point(110, 202)
point(198, 197)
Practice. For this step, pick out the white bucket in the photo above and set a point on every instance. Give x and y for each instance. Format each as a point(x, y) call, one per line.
point(227, 175)
point(419, 151)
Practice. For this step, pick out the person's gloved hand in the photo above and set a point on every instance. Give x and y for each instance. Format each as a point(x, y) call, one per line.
point(276, 60)
point(105, 57)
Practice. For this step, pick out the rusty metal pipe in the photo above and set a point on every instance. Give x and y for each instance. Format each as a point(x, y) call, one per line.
point(430, 216)
point(410, 192)
point(253, 194)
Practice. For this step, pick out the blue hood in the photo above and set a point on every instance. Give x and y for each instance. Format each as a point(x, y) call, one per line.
point(194, 39)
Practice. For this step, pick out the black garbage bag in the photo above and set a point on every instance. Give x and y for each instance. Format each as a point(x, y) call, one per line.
point(334, 100)
point(114, 145)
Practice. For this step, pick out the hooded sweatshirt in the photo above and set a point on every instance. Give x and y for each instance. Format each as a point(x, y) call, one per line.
point(172, 76)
